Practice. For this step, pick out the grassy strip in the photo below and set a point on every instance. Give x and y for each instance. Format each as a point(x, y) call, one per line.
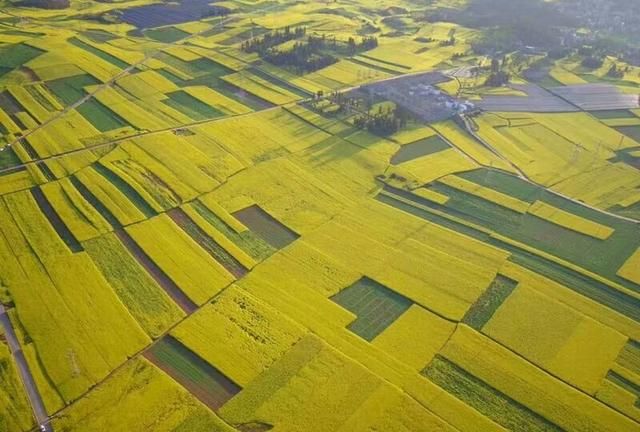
point(484, 398)
point(488, 303)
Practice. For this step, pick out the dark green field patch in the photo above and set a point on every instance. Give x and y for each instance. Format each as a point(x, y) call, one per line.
point(8, 159)
point(99, 53)
point(488, 303)
point(202, 380)
point(71, 89)
point(9, 104)
point(101, 117)
point(99, 36)
point(419, 149)
point(14, 56)
point(375, 305)
point(632, 132)
point(613, 114)
point(266, 226)
point(485, 399)
point(192, 107)
point(217, 252)
point(166, 34)
point(247, 240)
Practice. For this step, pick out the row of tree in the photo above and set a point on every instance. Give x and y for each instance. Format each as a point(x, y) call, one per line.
point(385, 121)
point(265, 42)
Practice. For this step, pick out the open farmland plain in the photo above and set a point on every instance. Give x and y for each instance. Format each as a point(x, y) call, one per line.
point(305, 216)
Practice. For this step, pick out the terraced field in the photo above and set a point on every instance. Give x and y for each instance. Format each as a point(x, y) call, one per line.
point(233, 216)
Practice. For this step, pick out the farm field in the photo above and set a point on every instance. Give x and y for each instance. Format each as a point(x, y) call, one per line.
point(346, 216)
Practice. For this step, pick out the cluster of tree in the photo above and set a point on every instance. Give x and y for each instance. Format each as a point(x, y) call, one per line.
point(302, 58)
point(305, 56)
point(498, 77)
point(263, 43)
point(386, 121)
point(616, 72)
point(592, 62)
point(449, 42)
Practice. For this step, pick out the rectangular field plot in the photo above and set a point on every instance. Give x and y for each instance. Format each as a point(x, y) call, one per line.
point(614, 114)
point(631, 268)
point(14, 56)
point(418, 149)
point(10, 104)
point(100, 116)
point(8, 159)
point(484, 398)
point(217, 252)
point(190, 106)
point(486, 305)
point(202, 380)
point(537, 99)
point(166, 34)
point(266, 226)
point(632, 132)
point(375, 305)
point(596, 97)
point(70, 90)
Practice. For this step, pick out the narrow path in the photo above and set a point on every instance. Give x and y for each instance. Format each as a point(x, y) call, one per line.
point(37, 405)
